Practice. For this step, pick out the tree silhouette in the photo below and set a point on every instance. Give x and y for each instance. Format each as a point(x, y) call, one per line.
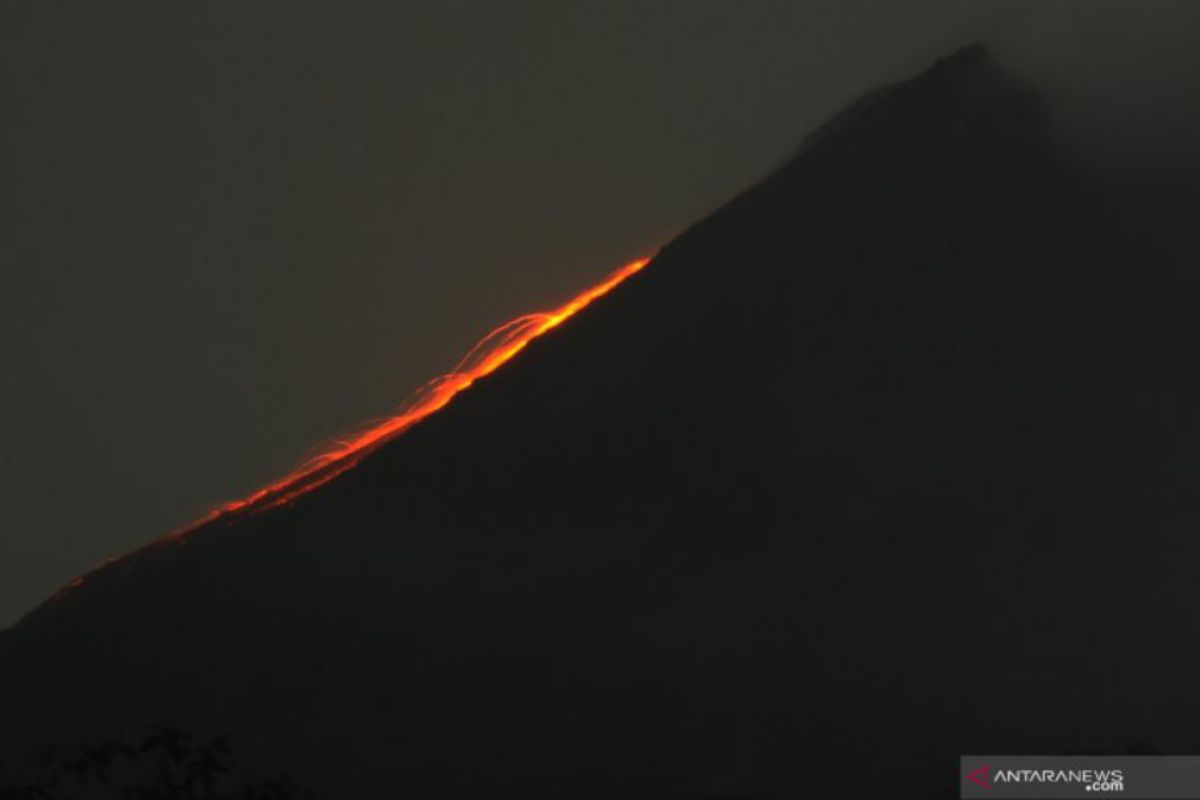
point(165, 764)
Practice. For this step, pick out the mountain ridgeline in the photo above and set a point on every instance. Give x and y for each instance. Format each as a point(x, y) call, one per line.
point(890, 459)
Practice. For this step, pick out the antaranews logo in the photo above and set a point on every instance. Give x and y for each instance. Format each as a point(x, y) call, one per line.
point(1040, 776)
point(1090, 780)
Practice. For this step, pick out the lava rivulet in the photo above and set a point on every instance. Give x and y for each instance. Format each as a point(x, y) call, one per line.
point(488, 355)
point(484, 358)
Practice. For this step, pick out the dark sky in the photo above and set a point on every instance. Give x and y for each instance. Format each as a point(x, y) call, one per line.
point(233, 230)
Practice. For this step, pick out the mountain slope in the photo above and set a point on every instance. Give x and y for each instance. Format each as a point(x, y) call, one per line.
point(891, 458)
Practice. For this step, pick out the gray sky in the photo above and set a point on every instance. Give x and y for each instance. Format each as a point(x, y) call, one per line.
point(233, 230)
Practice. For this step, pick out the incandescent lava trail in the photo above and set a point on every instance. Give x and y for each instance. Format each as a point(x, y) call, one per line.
point(484, 358)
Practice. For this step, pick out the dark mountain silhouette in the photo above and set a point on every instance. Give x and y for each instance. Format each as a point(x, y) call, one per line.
point(890, 459)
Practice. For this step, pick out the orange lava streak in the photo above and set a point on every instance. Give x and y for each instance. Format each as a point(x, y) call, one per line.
point(484, 358)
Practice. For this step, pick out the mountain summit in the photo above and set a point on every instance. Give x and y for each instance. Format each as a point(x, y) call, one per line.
point(890, 459)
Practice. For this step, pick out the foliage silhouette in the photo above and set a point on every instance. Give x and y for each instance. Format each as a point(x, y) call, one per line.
point(165, 764)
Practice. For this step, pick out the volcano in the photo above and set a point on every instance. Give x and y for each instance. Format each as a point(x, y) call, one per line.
point(890, 459)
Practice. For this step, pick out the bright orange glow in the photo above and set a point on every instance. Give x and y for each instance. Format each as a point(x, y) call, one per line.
point(486, 357)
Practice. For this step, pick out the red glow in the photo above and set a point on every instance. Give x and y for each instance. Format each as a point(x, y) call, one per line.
point(487, 356)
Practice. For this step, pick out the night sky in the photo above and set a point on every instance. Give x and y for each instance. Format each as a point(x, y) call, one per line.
point(233, 230)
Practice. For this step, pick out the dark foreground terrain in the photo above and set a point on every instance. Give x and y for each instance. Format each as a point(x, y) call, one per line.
point(892, 458)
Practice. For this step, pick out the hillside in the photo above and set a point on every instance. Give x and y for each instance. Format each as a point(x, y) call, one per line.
point(889, 459)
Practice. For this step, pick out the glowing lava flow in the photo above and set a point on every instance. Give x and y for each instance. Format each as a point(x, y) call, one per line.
point(488, 355)
point(484, 358)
